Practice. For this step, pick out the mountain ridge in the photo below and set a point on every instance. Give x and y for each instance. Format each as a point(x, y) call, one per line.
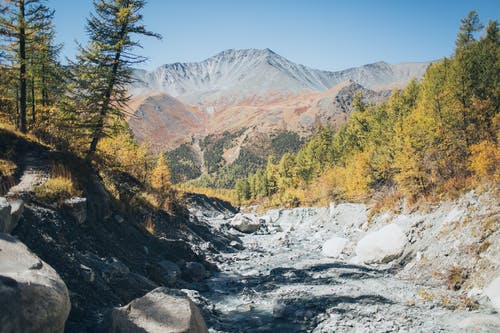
point(241, 100)
point(235, 75)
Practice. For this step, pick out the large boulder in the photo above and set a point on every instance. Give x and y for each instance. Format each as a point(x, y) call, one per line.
point(493, 293)
point(246, 223)
point(161, 310)
point(334, 246)
point(32, 283)
point(10, 213)
point(10, 305)
point(16, 211)
point(381, 246)
point(5, 217)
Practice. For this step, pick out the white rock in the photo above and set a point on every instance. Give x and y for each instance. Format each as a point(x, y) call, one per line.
point(382, 246)
point(476, 321)
point(493, 293)
point(348, 214)
point(334, 246)
point(246, 223)
point(161, 310)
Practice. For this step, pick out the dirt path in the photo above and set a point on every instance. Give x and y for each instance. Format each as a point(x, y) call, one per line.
point(36, 171)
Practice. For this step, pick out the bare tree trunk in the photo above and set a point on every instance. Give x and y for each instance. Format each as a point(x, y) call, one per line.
point(33, 115)
point(22, 68)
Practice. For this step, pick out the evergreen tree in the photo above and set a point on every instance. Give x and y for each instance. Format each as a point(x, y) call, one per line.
point(470, 25)
point(20, 21)
point(45, 73)
point(103, 68)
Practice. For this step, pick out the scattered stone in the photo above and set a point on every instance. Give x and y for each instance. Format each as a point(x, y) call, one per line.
point(194, 271)
point(236, 245)
point(477, 321)
point(76, 207)
point(167, 272)
point(88, 273)
point(493, 293)
point(114, 269)
point(382, 246)
point(161, 310)
point(118, 218)
point(41, 293)
point(334, 246)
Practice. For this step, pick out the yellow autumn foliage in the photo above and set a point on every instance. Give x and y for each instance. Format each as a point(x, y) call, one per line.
point(484, 159)
point(160, 178)
point(122, 153)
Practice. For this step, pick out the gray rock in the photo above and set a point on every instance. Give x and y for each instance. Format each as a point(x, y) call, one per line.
point(10, 213)
point(5, 216)
point(118, 218)
point(16, 211)
point(161, 310)
point(246, 223)
point(10, 305)
point(493, 293)
point(194, 271)
point(474, 321)
point(166, 272)
point(114, 269)
point(42, 294)
point(87, 273)
point(76, 207)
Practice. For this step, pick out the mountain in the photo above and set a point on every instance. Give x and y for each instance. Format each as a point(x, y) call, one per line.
point(240, 106)
point(240, 77)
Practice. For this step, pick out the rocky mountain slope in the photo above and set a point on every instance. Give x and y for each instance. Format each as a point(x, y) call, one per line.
point(239, 76)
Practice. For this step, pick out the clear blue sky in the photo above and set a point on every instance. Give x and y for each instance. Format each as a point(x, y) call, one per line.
point(324, 34)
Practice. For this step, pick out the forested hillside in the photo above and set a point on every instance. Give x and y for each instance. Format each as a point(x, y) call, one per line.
point(436, 137)
point(80, 107)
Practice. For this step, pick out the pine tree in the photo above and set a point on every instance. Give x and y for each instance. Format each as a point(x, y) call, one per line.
point(103, 68)
point(470, 25)
point(20, 20)
point(45, 73)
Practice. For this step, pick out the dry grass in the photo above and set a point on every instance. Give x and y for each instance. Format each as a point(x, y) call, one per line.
point(388, 200)
point(456, 277)
point(220, 193)
point(7, 168)
point(7, 171)
point(425, 295)
point(149, 225)
point(59, 187)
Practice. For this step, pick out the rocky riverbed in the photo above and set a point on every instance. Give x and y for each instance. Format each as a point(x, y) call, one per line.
point(283, 280)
